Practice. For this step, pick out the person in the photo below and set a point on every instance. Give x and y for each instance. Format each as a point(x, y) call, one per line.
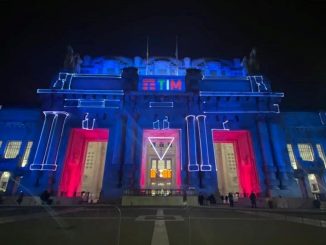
point(77, 62)
point(226, 199)
point(211, 199)
point(184, 197)
point(45, 197)
point(253, 200)
point(201, 199)
point(231, 199)
point(20, 198)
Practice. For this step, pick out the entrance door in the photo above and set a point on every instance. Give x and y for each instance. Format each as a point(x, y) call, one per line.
point(84, 165)
point(161, 168)
point(235, 162)
point(161, 173)
point(94, 169)
point(228, 180)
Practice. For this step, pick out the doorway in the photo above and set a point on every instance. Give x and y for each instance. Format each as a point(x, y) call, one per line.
point(235, 162)
point(161, 168)
point(84, 165)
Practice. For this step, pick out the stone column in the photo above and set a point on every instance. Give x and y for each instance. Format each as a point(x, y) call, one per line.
point(279, 151)
point(129, 152)
point(270, 170)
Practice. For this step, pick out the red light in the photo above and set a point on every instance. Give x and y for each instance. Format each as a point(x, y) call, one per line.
point(246, 165)
point(75, 158)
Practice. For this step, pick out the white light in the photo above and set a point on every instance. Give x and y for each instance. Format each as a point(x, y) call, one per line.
point(167, 148)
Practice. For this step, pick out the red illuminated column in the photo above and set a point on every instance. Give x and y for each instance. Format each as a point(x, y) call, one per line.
point(267, 153)
point(191, 144)
point(204, 157)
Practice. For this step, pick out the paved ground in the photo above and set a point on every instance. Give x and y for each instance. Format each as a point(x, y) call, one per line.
point(102, 225)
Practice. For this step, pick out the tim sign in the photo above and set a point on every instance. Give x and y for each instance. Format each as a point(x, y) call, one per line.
point(162, 84)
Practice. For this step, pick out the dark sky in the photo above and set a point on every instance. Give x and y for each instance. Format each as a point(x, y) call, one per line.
point(289, 35)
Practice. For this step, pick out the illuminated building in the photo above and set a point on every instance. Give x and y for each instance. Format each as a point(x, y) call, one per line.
point(128, 125)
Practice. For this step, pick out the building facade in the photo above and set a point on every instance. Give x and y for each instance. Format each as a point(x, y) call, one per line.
point(160, 126)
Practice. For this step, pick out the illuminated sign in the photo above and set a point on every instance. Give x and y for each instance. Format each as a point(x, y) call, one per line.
point(149, 83)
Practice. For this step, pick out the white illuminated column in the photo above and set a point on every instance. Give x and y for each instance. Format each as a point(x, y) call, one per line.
point(204, 157)
point(48, 146)
point(191, 143)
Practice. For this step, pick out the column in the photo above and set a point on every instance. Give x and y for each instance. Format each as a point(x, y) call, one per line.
point(270, 170)
point(42, 143)
point(191, 144)
point(279, 149)
point(204, 157)
point(54, 141)
point(130, 142)
point(48, 146)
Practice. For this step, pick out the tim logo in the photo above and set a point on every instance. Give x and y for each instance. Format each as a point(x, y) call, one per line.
point(162, 84)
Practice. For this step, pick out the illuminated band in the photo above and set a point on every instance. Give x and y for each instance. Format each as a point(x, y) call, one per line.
point(191, 144)
point(204, 157)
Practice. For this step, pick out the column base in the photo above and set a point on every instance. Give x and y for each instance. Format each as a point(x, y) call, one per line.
point(193, 168)
point(43, 167)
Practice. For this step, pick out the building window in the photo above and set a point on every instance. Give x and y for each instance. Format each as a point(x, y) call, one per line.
point(12, 149)
point(306, 152)
point(313, 183)
point(291, 156)
point(4, 179)
point(26, 153)
point(321, 153)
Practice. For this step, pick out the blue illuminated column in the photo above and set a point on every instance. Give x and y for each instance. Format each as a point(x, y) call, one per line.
point(191, 143)
point(267, 153)
point(279, 150)
point(204, 157)
point(48, 146)
point(129, 152)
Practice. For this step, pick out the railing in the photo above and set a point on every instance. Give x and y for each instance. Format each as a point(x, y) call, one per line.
point(159, 192)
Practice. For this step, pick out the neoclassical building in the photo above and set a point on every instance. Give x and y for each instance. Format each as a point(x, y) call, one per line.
point(160, 126)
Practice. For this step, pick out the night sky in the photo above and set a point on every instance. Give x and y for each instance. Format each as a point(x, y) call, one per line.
point(290, 39)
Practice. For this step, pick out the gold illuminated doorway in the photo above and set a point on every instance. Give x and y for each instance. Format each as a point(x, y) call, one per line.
point(161, 173)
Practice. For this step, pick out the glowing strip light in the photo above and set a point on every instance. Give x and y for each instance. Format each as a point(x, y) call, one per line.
point(164, 104)
point(80, 91)
point(260, 83)
point(224, 125)
point(82, 103)
point(166, 150)
point(277, 111)
point(195, 153)
point(85, 122)
point(242, 94)
point(42, 166)
point(50, 139)
point(204, 166)
point(166, 123)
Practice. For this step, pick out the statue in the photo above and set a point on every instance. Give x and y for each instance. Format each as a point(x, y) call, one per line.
point(253, 64)
point(69, 62)
point(72, 61)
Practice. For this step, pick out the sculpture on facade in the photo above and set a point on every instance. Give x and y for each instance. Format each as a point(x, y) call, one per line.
point(72, 61)
point(251, 65)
